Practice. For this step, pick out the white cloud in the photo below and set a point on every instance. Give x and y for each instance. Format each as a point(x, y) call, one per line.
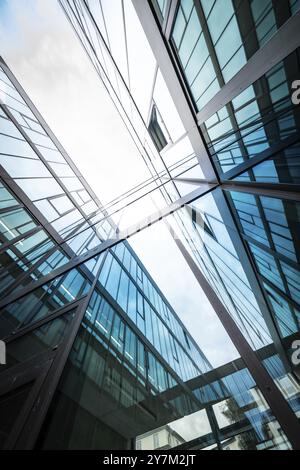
point(43, 52)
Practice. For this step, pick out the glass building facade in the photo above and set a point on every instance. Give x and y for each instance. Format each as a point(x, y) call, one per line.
point(97, 358)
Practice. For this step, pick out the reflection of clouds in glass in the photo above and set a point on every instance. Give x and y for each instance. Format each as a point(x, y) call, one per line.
point(192, 426)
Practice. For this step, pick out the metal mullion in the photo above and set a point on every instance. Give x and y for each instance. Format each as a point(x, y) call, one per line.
point(18, 194)
point(213, 425)
point(116, 357)
point(226, 290)
point(242, 10)
point(71, 230)
point(37, 177)
point(13, 98)
point(81, 17)
point(292, 303)
point(281, 11)
point(59, 215)
point(210, 46)
point(115, 66)
point(261, 122)
point(34, 262)
point(219, 78)
point(84, 242)
point(99, 41)
point(287, 191)
point(56, 246)
point(3, 210)
point(40, 260)
point(260, 157)
point(276, 260)
point(89, 338)
point(126, 43)
point(54, 292)
point(280, 190)
point(185, 27)
point(239, 138)
point(267, 230)
point(221, 372)
point(35, 325)
point(292, 216)
point(268, 117)
point(272, 125)
point(23, 236)
point(37, 216)
point(267, 249)
point(116, 95)
point(63, 246)
point(51, 289)
point(171, 12)
point(29, 205)
point(150, 180)
point(33, 249)
point(243, 320)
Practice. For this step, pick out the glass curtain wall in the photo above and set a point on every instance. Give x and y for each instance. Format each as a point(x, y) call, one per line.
point(97, 357)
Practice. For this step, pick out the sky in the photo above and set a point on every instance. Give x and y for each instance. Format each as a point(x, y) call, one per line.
point(40, 47)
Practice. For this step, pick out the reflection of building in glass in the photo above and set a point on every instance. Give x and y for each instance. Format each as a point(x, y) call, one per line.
point(162, 438)
point(97, 358)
